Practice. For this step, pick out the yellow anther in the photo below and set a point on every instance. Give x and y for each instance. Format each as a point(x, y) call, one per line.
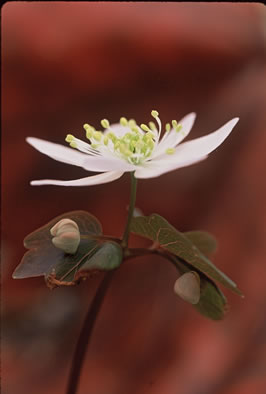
point(97, 135)
point(167, 127)
point(123, 121)
point(154, 114)
point(135, 129)
point(152, 125)
point(73, 144)
point(176, 126)
point(105, 140)
point(95, 146)
point(117, 144)
point(69, 138)
point(112, 137)
point(148, 137)
point(133, 144)
point(89, 134)
point(174, 123)
point(136, 137)
point(105, 123)
point(132, 123)
point(128, 136)
point(86, 126)
point(144, 127)
point(170, 151)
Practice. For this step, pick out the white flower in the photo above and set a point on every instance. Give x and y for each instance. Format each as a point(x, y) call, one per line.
point(66, 235)
point(126, 147)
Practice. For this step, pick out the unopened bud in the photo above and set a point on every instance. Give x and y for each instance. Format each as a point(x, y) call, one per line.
point(66, 235)
point(187, 287)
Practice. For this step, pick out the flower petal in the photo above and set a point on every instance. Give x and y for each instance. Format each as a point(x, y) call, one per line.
point(155, 169)
point(57, 152)
point(187, 153)
point(102, 163)
point(171, 139)
point(202, 146)
point(88, 181)
point(71, 156)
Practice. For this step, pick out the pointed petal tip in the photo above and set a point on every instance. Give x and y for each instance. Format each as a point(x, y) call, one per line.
point(102, 178)
point(236, 120)
point(189, 117)
point(29, 140)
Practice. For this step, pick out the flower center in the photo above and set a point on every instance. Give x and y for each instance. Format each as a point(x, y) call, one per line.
point(128, 141)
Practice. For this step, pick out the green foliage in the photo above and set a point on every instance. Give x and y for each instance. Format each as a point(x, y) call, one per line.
point(168, 238)
point(212, 303)
point(188, 251)
point(94, 254)
point(204, 241)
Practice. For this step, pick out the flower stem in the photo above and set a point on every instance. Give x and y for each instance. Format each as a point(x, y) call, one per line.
point(130, 210)
point(85, 334)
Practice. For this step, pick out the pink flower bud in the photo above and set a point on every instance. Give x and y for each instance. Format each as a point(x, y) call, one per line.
point(187, 287)
point(66, 235)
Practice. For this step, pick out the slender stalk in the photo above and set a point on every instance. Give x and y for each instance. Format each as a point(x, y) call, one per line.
point(85, 334)
point(130, 210)
point(90, 319)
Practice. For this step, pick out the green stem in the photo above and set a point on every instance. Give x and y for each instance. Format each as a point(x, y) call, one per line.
point(130, 210)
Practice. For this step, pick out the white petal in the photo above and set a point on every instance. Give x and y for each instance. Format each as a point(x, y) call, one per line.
point(204, 145)
point(102, 163)
point(71, 156)
point(187, 153)
point(158, 168)
point(171, 139)
point(57, 152)
point(88, 181)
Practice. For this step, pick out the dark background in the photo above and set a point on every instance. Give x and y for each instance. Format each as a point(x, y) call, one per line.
point(65, 64)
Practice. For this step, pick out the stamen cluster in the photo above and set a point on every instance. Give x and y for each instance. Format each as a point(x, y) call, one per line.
point(135, 144)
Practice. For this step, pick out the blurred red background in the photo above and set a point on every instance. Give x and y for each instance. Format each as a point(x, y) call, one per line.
point(65, 64)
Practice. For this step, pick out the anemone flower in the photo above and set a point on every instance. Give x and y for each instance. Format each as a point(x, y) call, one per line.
point(127, 147)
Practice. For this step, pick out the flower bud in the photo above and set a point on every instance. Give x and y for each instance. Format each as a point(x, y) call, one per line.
point(187, 287)
point(66, 235)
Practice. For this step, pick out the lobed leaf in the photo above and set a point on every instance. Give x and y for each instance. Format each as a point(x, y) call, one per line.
point(167, 237)
point(59, 268)
point(204, 241)
point(87, 223)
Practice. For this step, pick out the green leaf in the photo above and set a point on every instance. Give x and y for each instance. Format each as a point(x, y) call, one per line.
point(167, 237)
point(59, 268)
point(104, 256)
point(212, 303)
point(204, 241)
point(88, 225)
